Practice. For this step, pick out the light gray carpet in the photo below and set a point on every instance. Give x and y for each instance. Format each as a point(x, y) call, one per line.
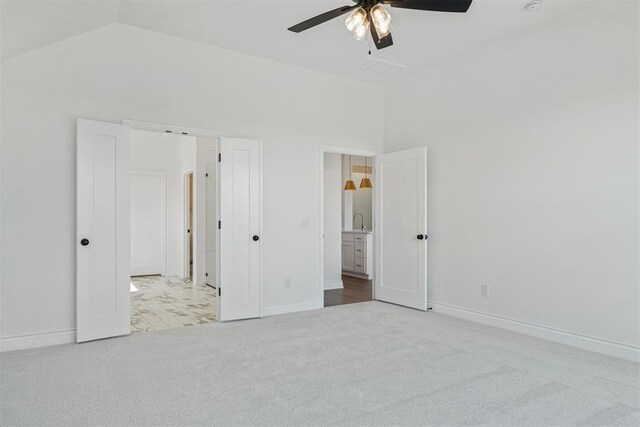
point(360, 364)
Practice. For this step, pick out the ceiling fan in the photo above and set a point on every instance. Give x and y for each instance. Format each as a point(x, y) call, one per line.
point(368, 16)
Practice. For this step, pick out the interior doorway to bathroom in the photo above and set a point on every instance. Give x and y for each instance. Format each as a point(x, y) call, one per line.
point(348, 181)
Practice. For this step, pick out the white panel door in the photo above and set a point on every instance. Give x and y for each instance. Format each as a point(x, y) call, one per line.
point(240, 242)
point(401, 228)
point(147, 222)
point(102, 255)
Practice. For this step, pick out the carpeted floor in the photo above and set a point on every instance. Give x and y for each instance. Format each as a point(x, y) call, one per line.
point(359, 364)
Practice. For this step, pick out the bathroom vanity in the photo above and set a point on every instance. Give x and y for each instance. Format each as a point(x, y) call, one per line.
point(357, 253)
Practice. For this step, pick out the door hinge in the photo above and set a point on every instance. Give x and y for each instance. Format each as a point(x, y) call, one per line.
point(206, 274)
point(219, 157)
point(219, 291)
point(206, 175)
point(219, 225)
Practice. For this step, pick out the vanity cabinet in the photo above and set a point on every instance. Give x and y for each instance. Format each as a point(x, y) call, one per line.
point(357, 254)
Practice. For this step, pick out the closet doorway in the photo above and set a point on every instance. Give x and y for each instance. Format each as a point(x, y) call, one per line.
point(167, 217)
point(191, 216)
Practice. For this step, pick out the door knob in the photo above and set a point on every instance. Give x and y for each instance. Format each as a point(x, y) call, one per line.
point(256, 238)
point(84, 242)
point(420, 237)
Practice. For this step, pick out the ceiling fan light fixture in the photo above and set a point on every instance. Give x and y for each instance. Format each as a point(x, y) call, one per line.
point(356, 19)
point(361, 32)
point(381, 20)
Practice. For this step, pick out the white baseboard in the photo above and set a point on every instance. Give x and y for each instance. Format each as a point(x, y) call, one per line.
point(334, 284)
point(622, 351)
point(291, 308)
point(358, 275)
point(22, 342)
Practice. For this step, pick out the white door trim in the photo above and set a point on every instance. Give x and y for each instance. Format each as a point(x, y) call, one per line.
point(173, 129)
point(163, 233)
point(350, 152)
point(185, 221)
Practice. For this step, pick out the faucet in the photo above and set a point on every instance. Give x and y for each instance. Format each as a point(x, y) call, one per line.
point(361, 219)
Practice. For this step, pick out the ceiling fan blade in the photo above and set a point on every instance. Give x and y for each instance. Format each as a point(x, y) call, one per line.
point(460, 6)
point(380, 43)
point(320, 19)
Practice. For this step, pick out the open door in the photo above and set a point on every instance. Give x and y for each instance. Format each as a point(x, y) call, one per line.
point(102, 254)
point(401, 227)
point(240, 176)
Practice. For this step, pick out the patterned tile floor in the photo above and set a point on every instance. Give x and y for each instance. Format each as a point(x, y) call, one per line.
point(170, 302)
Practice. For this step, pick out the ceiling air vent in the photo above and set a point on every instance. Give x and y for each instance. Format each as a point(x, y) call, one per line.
point(379, 67)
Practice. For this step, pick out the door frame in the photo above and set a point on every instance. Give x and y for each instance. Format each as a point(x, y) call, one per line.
point(349, 152)
point(182, 131)
point(185, 222)
point(163, 198)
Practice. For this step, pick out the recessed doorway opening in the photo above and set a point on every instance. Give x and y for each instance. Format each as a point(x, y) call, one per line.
point(169, 201)
point(347, 239)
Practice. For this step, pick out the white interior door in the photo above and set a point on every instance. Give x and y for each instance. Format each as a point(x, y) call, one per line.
point(401, 228)
point(240, 243)
point(102, 255)
point(147, 222)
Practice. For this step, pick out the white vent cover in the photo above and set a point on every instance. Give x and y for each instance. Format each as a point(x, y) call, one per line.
point(533, 5)
point(379, 67)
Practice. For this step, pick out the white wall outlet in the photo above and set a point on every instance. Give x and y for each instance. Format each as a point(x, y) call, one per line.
point(484, 290)
point(305, 223)
point(287, 282)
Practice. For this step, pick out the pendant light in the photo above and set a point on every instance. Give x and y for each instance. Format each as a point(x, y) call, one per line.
point(366, 182)
point(350, 185)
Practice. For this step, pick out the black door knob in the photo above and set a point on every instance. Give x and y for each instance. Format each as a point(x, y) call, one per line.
point(420, 237)
point(84, 242)
point(256, 238)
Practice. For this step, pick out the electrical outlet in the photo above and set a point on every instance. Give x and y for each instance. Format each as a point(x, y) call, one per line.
point(287, 282)
point(484, 290)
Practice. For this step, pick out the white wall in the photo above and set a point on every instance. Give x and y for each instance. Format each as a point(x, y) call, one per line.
point(533, 175)
point(118, 72)
point(171, 154)
point(333, 220)
point(347, 195)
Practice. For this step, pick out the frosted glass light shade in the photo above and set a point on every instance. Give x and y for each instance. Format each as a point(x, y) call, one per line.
point(356, 19)
point(381, 20)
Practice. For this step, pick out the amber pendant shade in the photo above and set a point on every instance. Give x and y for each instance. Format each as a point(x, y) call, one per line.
point(365, 183)
point(350, 185)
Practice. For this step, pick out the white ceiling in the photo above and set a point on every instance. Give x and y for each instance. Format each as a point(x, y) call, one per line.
point(258, 27)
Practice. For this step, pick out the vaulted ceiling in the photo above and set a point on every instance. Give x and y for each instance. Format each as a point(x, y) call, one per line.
point(259, 27)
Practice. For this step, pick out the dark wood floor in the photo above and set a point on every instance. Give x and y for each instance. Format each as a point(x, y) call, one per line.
point(355, 290)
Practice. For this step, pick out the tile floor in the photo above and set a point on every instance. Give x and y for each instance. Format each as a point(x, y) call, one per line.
point(170, 302)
